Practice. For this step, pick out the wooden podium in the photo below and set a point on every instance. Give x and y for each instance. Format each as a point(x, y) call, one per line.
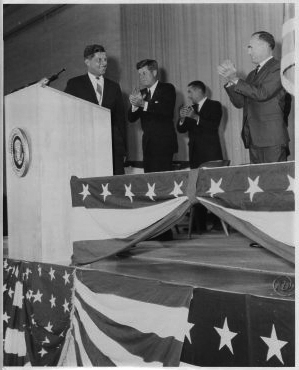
point(50, 136)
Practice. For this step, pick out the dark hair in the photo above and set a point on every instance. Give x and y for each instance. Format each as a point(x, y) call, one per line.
point(267, 37)
point(90, 50)
point(151, 64)
point(199, 85)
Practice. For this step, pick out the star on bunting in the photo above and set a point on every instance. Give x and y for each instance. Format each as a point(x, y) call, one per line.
point(151, 191)
point(129, 194)
point(105, 192)
point(5, 317)
point(42, 352)
point(49, 327)
point(291, 184)
point(215, 187)
point(51, 273)
point(46, 340)
point(10, 292)
point(37, 296)
point(66, 306)
point(226, 336)
point(52, 300)
point(39, 270)
point(4, 288)
point(66, 278)
point(177, 189)
point(274, 345)
point(253, 187)
point(85, 191)
point(189, 326)
point(5, 264)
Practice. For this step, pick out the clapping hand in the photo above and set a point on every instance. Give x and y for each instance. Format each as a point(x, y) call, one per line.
point(136, 98)
point(227, 70)
point(187, 111)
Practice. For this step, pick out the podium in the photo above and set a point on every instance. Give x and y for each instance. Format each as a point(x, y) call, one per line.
point(50, 136)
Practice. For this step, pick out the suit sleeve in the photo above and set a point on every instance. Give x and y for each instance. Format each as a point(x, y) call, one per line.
point(134, 116)
point(236, 99)
point(70, 88)
point(264, 91)
point(210, 119)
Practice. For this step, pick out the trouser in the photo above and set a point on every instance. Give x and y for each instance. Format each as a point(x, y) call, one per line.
point(276, 153)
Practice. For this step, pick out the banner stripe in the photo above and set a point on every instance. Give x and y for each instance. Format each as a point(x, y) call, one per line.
point(136, 314)
point(100, 224)
point(108, 347)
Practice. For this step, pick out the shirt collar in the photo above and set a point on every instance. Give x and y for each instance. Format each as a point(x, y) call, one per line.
point(153, 88)
point(200, 103)
point(94, 79)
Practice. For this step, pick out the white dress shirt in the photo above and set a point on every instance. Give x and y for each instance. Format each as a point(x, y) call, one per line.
point(97, 81)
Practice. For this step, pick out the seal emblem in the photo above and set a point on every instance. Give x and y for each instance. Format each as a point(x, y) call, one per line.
point(284, 286)
point(19, 152)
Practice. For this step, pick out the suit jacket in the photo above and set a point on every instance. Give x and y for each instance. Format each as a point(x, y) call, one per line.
point(157, 122)
point(81, 87)
point(262, 98)
point(204, 143)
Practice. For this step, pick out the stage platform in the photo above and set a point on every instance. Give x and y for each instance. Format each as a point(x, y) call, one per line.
point(211, 260)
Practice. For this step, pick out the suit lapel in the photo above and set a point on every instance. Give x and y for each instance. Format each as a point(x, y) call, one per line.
point(90, 90)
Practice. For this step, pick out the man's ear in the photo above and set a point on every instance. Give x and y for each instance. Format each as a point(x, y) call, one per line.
point(155, 73)
point(86, 61)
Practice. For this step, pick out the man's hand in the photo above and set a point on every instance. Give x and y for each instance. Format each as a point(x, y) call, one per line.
point(187, 111)
point(136, 99)
point(228, 71)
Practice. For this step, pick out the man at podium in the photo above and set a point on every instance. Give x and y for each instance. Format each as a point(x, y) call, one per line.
point(94, 88)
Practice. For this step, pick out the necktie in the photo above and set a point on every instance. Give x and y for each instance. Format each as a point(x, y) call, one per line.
point(257, 69)
point(147, 95)
point(99, 89)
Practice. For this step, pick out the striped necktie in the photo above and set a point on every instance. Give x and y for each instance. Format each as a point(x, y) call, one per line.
point(99, 89)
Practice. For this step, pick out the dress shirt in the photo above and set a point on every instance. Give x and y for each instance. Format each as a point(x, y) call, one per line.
point(151, 90)
point(199, 104)
point(95, 82)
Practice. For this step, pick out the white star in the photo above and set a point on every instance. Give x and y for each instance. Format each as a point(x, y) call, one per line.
point(129, 194)
point(46, 340)
point(10, 292)
point(28, 271)
point(5, 317)
point(29, 294)
point(291, 184)
point(105, 191)
point(226, 336)
point(177, 189)
point(253, 187)
point(52, 300)
point(85, 191)
point(66, 306)
point(151, 191)
point(51, 273)
point(42, 352)
point(37, 296)
point(215, 187)
point(66, 277)
point(189, 326)
point(4, 288)
point(39, 270)
point(5, 264)
point(49, 327)
point(274, 345)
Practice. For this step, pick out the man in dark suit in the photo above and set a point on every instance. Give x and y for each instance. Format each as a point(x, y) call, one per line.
point(263, 99)
point(154, 106)
point(201, 121)
point(97, 89)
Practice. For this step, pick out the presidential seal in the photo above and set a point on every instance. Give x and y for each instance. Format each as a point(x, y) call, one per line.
point(19, 152)
point(284, 286)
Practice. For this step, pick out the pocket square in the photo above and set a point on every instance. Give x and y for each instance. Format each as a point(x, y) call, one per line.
point(156, 101)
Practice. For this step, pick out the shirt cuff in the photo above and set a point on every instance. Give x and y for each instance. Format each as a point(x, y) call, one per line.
point(145, 106)
point(134, 108)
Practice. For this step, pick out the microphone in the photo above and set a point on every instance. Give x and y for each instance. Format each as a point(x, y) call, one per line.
point(55, 76)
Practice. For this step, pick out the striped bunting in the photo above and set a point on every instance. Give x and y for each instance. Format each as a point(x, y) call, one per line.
point(115, 329)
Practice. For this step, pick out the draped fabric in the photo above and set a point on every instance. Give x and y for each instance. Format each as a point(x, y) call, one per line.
point(189, 41)
point(112, 214)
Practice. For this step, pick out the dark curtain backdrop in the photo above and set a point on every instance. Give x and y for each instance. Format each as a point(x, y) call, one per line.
point(189, 41)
